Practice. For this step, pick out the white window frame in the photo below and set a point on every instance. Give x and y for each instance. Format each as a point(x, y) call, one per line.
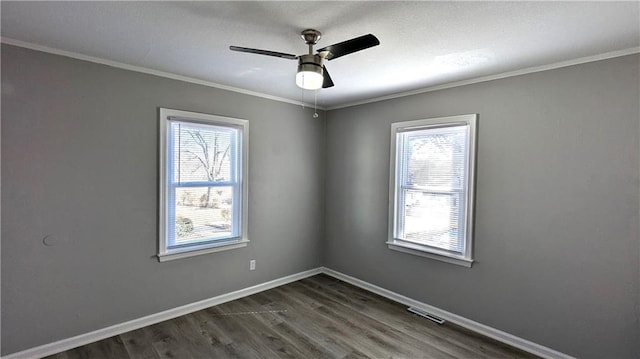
point(240, 168)
point(466, 257)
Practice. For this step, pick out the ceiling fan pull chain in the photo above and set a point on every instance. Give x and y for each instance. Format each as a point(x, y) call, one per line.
point(315, 104)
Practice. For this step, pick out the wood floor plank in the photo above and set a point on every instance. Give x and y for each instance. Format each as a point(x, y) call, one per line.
point(303, 320)
point(228, 343)
point(395, 314)
point(385, 337)
point(242, 340)
point(138, 344)
point(254, 322)
point(318, 317)
point(168, 340)
point(106, 348)
point(308, 348)
point(334, 331)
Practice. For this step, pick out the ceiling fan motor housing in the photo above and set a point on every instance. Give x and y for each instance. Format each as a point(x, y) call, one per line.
point(310, 63)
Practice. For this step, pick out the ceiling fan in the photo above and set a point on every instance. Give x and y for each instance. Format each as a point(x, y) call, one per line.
point(312, 74)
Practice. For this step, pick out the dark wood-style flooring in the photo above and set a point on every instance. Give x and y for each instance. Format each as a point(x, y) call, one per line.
point(317, 317)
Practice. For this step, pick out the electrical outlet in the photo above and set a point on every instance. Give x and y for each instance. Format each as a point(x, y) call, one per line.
point(252, 264)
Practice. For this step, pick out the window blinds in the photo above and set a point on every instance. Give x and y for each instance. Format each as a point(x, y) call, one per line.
point(432, 177)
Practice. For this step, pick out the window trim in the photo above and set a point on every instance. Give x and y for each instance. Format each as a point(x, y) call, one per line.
point(164, 252)
point(466, 258)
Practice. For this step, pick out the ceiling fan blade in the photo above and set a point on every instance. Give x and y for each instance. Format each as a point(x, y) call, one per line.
point(350, 46)
point(326, 82)
point(263, 52)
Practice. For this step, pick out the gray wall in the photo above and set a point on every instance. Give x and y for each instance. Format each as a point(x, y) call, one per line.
point(556, 238)
point(557, 201)
point(79, 162)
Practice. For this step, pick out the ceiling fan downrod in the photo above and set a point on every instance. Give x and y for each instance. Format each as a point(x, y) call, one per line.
point(311, 37)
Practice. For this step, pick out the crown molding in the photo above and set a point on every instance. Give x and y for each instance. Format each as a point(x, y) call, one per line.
point(528, 70)
point(169, 75)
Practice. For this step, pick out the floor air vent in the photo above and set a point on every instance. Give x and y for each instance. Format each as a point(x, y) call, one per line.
point(427, 315)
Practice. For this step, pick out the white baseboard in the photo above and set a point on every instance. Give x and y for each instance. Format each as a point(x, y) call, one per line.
point(83, 339)
point(490, 332)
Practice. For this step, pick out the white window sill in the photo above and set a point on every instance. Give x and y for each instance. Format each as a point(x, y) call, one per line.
point(419, 250)
point(190, 252)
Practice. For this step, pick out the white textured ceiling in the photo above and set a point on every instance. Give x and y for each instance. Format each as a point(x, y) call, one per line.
point(423, 44)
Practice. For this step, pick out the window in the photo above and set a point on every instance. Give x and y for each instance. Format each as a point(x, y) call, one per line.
point(431, 188)
point(203, 186)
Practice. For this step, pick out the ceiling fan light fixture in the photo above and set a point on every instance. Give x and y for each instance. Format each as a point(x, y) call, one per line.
point(309, 76)
point(309, 80)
